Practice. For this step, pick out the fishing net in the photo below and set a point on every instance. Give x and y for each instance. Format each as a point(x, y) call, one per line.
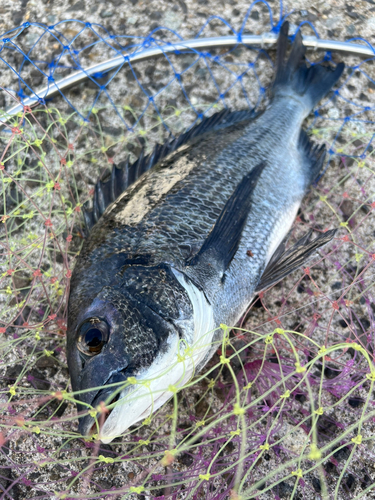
point(285, 408)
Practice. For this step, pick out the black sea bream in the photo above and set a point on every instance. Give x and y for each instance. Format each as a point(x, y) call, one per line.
point(166, 259)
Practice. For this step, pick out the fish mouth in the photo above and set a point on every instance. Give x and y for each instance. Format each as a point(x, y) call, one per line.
point(89, 425)
point(134, 402)
point(107, 420)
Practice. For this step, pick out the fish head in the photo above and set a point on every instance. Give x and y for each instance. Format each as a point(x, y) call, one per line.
point(122, 343)
point(110, 342)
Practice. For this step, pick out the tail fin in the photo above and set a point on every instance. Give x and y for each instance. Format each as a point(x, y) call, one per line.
point(293, 76)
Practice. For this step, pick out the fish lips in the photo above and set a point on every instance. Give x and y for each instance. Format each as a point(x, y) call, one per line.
point(87, 424)
point(109, 367)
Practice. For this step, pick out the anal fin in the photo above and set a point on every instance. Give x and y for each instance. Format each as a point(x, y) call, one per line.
point(289, 260)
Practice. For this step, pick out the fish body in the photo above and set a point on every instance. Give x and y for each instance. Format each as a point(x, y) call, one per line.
point(186, 246)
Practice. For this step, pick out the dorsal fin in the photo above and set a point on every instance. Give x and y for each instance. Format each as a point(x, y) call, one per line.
point(126, 173)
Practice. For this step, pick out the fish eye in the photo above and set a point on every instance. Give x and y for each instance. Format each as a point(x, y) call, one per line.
point(92, 336)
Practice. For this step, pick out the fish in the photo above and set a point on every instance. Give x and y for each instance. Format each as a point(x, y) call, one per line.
point(180, 241)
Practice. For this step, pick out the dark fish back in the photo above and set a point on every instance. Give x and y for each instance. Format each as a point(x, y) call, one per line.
point(165, 224)
point(125, 174)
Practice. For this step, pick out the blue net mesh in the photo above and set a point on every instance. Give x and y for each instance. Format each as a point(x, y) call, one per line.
point(305, 378)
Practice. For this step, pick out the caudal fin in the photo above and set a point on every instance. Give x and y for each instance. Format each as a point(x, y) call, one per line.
point(294, 76)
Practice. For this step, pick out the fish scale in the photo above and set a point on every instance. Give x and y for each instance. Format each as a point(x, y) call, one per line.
point(167, 261)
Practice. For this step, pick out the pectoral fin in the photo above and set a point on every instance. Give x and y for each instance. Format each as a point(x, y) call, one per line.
point(285, 262)
point(222, 242)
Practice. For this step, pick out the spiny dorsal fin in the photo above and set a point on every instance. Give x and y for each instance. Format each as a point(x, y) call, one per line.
point(125, 174)
point(293, 258)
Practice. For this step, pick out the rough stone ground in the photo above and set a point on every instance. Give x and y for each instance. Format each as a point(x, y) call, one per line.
point(332, 19)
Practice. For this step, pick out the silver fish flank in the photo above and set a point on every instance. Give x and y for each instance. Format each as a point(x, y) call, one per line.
point(165, 261)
